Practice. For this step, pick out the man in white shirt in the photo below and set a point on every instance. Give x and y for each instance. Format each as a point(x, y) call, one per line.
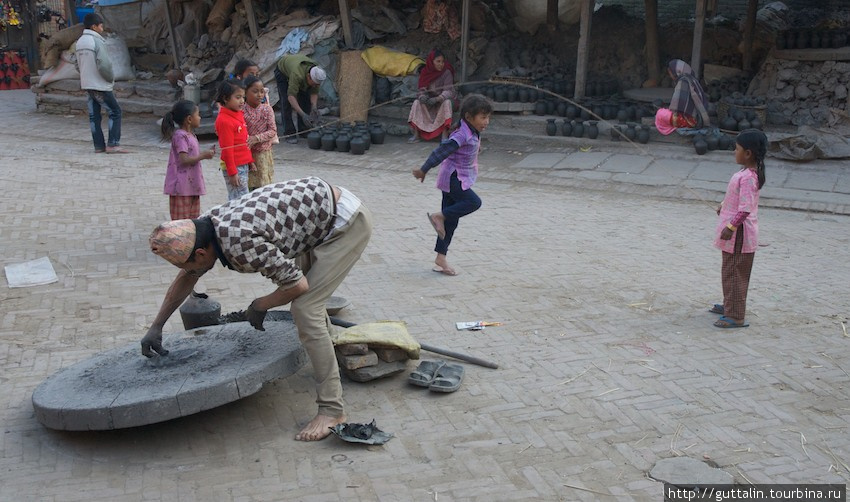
point(96, 78)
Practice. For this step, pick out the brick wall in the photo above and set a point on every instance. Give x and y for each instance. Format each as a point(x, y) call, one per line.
point(732, 9)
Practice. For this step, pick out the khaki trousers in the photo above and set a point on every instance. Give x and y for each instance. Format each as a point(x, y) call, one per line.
point(325, 267)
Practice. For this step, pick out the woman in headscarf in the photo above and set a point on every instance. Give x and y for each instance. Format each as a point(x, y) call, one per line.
point(431, 112)
point(688, 105)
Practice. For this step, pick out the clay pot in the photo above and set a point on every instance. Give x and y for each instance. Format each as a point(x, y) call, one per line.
point(615, 133)
point(729, 123)
point(780, 41)
point(578, 130)
point(630, 131)
point(622, 115)
point(512, 94)
point(756, 124)
point(643, 135)
point(522, 95)
point(802, 39)
point(551, 127)
point(358, 145)
point(584, 114)
point(343, 142)
point(540, 108)
point(592, 129)
point(724, 142)
point(314, 140)
point(561, 108)
point(713, 142)
point(377, 134)
point(815, 40)
point(567, 128)
point(572, 111)
point(790, 39)
point(500, 94)
point(328, 142)
point(701, 147)
point(199, 310)
point(743, 125)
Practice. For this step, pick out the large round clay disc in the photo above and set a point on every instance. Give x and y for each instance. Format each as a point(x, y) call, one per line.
point(206, 367)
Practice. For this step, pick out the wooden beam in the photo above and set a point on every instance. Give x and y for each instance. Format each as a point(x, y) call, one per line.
point(171, 36)
point(464, 39)
point(583, 47)
point(552, 15)
point(653, 59)
point(252, 19)
point(699, 26)
point(345, 17)
point(749, 31)
point(71, 13)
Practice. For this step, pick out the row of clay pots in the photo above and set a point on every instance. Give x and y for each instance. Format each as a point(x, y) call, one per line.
point(576, 129)
point(813, 39)
point(703, 144)
point(357, 139)
point(622, 111)
point(631, 131)
point(740, 120)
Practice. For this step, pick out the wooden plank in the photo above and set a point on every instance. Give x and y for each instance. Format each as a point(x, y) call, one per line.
point(699, 27)
point(171, 37)
point(345, 17)
point(252, 18)
point(653, 59)
point(583, 50)
point(464, 40)
point(749, 30)
point(552, 15)
point(71, 13)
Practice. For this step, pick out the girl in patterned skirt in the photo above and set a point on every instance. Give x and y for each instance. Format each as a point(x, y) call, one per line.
point(262, 131)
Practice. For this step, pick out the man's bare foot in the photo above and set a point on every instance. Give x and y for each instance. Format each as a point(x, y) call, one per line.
point(319, 428)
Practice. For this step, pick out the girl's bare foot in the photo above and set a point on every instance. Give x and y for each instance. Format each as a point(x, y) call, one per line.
point(438, 222)
point(442, 266)
point(319, 428)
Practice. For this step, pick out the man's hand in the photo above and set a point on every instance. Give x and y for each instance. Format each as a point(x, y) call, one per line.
point(431, 101)
point(307, 121)
point(153, 340)
point(314, 116)
point(423, 98)
point(255, 316)
point(419, 174)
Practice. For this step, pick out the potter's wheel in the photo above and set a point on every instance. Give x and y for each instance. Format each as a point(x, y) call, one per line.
point(206, 367)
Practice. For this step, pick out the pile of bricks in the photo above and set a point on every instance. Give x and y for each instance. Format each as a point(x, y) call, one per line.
point(361, 362)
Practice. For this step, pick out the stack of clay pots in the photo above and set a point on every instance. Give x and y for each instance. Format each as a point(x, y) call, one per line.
point(356, 138)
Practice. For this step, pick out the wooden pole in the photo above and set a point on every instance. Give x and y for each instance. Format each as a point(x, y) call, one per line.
point(552, 15)
point(459, 355)
point(252, 18)
point(71, 13)
point(464, 39)
point(171, 36)
point(583, 43)
point(345, 17)
point(653, 60)
point(749, 31)
point(699, 25)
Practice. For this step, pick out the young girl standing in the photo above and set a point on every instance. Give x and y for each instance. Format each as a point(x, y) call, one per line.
point(738, 227)
point(262, 131)
point(236, 159)
point(458, 159)
point(184, 178)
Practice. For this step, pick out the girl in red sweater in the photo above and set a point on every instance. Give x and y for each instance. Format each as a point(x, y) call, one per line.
point(236, 159)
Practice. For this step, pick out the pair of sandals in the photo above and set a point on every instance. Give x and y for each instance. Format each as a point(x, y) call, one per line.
point(726, 322)
point(438, 376)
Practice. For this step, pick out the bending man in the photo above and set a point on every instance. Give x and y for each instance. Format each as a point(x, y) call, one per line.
point(305, 236)
point(298, 79)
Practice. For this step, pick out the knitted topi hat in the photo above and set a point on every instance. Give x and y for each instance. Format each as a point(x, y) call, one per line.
point(318, 75)
point(174, 241)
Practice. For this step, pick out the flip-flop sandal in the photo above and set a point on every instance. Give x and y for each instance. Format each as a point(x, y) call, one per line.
point(725, 322)
point(423, 375)
point(716, 309)
point(448, 378)
point(441, 235)
point(445, 271)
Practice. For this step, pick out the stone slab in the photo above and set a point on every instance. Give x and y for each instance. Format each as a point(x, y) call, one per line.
point(625, 163)
point(583, 160)
point(380, 370)
point(674, 169)
point(811, 180)
point(688, 472)
point(540, 161)
point(714, 171)
point(206, 367)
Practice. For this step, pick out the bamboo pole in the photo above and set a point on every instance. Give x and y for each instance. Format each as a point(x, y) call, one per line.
point(171, 37)
point(252, 19)
point(583, 43)
point(699, 26)
point(345, 17)
point(464, 39)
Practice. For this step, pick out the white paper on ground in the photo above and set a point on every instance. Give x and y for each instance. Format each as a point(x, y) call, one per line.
point(31, 273)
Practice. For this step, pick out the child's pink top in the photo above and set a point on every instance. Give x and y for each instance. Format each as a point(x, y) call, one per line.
point(261, 124)
point(184, 179)
point(742, 194)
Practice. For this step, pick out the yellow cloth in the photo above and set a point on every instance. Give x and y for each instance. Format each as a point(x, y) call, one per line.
point(385, 333)
point(389, 63)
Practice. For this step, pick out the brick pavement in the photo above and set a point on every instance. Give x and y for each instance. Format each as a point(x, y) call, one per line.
point(608, 361)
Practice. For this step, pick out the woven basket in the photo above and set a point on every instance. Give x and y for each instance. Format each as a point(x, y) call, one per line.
point(760, 110)
point(511, 80)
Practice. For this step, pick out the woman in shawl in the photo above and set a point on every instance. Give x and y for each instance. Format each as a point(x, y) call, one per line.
point(688, 105)
point(431, 112)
